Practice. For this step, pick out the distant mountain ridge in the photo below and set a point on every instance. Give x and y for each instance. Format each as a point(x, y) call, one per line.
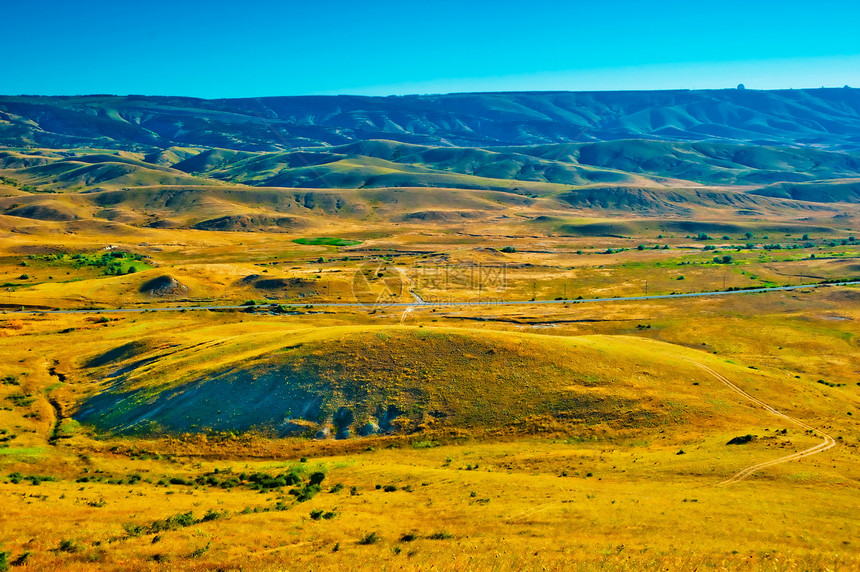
point(290, 164)
point(828, 119)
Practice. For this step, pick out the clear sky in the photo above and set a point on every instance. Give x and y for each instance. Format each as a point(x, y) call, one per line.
point(257, 48)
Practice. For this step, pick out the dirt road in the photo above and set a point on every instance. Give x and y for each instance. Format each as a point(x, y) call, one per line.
point(827, 443)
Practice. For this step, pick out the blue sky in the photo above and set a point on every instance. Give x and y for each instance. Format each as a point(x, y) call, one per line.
point(258, 48)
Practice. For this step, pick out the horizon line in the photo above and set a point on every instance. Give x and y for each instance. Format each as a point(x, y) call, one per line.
point(433, 94)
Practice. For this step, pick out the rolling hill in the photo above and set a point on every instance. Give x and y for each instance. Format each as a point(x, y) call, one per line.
point(363, 381)
point(281, 163)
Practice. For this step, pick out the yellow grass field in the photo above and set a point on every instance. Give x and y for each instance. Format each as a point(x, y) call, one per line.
point(567, 436)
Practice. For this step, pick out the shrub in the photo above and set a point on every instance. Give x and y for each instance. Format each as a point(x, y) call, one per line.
point(133, 529)
point(4, 561)
point(509, 249)
point(179, 520)
point(21, 400)
point(174, 522)
point(67, 545)
point(371, 538)
point(316, 514)
point(265, 481)
point(425, 444)
point(16, 478)
point(441, 535)
point(408, 537)
point(306, 493)
point(212, 514)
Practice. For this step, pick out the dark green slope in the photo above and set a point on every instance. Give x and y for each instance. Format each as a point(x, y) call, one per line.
point(827, 118)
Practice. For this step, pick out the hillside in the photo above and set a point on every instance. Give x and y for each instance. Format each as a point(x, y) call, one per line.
point(381, 181)
point(825, 118)
point(363, 381)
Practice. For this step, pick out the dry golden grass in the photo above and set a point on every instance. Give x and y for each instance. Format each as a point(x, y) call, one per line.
point(629, 514)
point(546, 493)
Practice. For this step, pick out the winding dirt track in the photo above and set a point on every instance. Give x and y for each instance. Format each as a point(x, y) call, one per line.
point(828, 442)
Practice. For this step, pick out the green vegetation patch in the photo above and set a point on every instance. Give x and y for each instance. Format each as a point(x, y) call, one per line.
point(326, 241)
point(23, 453)
point(113, 262)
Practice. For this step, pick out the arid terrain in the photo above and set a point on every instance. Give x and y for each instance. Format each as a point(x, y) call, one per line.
point(525, 331)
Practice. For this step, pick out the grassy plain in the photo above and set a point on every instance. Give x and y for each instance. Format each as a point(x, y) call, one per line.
point(564, 436)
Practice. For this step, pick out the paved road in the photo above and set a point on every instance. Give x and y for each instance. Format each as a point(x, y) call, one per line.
point(418, 302)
